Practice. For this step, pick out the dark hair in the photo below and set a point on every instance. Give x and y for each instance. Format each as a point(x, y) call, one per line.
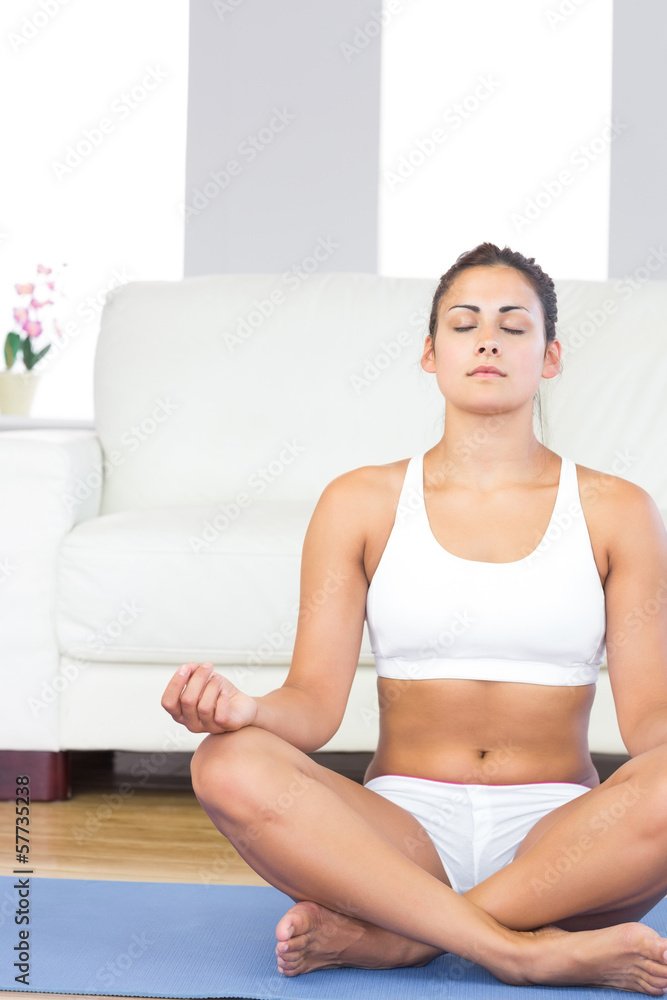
point(489, 255)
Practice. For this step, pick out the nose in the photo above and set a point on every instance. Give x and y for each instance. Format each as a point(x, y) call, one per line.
point(487, 341)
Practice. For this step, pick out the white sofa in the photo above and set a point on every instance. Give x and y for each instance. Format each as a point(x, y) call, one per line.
point(224, 404)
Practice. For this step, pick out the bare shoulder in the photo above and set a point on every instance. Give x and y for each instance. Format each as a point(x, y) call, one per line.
point(367, 489)
point(363, 501)
point(370, 479)
point(620, 511)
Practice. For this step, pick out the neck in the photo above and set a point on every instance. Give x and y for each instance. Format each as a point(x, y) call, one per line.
point(487, 451)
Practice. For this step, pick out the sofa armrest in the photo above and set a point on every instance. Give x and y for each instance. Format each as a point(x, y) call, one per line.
point(50, 480)
point(50, 475)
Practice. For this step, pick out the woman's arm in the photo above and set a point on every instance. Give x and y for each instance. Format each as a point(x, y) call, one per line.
point(308, 709)
point(636, 608)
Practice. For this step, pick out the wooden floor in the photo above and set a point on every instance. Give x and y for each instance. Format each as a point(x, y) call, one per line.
point(146, 836)
point(120, 826)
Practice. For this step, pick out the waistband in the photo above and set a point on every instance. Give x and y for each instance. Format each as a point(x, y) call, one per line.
point(486, 669)
point(461, 784)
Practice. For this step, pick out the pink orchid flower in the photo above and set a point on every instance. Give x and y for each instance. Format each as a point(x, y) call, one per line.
point(21, 316)
point(38, 305)
point(50, 285)
point(25, 289)
point(43, 270)
point(33, 328)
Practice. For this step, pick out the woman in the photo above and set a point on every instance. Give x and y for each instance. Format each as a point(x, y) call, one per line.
point(482, 828)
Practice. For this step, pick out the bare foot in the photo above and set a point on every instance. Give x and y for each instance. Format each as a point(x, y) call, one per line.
point(628, 956)
point(310, 937)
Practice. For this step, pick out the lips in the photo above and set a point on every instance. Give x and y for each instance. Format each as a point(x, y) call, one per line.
point(487, 369)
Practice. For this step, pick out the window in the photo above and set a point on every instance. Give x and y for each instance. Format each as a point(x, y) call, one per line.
point(495, 125)
point(95, 103)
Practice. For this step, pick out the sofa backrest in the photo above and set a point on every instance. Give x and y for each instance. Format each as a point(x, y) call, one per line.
point(608, 409)
point(213, 387)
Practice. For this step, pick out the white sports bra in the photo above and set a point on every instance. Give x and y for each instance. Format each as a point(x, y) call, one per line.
point(537, 620)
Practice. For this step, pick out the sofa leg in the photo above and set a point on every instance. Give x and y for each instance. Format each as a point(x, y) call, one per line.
point(47, 770)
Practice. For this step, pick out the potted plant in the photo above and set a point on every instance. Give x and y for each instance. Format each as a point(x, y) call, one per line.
point(26, 342)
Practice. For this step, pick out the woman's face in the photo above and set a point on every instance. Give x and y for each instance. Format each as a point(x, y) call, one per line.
point(490, 316)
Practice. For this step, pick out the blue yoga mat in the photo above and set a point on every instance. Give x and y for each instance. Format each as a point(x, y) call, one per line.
point(166, 939)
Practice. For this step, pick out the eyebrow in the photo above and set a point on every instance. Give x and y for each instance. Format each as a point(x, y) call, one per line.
point(503, 309)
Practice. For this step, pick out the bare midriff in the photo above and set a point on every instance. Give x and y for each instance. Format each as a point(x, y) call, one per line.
point(483, 731)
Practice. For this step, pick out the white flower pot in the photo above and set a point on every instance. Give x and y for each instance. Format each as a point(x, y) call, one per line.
point(17, 391)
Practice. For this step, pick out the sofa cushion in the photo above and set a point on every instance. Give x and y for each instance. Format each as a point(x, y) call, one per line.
point(173, 584)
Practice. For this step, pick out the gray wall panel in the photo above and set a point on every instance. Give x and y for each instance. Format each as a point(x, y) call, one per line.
point(273, 89)
point(638, 209)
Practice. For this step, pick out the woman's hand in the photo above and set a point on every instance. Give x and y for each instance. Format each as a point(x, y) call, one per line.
point(206, 702)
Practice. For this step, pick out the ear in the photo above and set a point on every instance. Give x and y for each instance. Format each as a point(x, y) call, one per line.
point(552, 359)
point(428, 357)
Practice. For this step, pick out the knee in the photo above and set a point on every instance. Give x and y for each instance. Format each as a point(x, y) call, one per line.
point(221, 764)
point(645, 790)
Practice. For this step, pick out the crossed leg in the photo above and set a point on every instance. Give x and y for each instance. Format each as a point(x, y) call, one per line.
point(337, 848)
point(596, 861)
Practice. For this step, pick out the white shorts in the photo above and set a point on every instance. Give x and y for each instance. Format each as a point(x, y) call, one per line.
point(476, 829)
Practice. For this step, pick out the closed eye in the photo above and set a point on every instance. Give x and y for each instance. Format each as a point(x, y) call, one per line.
point(508, 328)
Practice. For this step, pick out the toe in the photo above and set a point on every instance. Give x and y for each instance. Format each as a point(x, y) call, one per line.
point(295, 951)
point(285, 927)
point(297, 920)
point(656, 978)
point(289, 969)
point(296, 963)
point(647, 987)
point(657, 969)
point(289, 961)
point(295, 944)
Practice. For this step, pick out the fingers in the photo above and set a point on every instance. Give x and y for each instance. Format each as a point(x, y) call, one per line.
point(200, 699)
point(172, 693)
point(207, 707)
point(183, 692)
point(214, 707)
point(191, 696)
point(171, 696)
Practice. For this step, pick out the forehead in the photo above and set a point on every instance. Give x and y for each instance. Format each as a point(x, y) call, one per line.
point(490, 286)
